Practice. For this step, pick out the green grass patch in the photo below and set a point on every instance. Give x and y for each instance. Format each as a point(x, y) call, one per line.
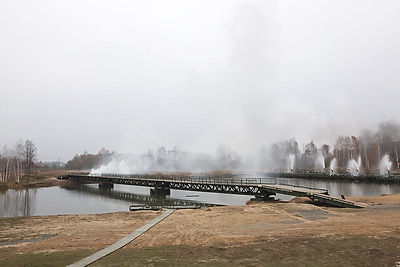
point(329, 251)
point(60, 258)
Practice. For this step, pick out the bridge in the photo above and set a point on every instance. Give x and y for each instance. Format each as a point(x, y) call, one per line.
point(261, 188)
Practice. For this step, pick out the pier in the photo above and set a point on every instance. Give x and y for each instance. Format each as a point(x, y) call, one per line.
point(261, 188)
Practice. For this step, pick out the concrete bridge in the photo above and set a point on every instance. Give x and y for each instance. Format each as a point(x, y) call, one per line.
point(261, 188)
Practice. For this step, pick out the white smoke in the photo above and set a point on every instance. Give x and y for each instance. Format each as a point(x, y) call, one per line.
point(385, 165)
point(173, 160)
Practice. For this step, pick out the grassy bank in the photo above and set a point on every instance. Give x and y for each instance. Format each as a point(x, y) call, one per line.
point(57, 258)
point(358, 250)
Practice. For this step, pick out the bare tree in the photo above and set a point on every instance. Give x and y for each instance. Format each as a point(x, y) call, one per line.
point(11, 163)
point(4, 166)
point(18, 160)
point(30, 153)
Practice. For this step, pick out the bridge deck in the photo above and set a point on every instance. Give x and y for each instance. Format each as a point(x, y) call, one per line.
point(294, 190)
point(247, 186)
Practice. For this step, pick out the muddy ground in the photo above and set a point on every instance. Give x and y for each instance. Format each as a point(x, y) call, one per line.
point(270, 233)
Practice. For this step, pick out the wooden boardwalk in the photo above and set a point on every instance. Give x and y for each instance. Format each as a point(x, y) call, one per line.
point(261, 188)
point(119, 244)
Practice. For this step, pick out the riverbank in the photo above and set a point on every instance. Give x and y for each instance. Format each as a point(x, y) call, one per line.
point(40, 179)
point(256, 234)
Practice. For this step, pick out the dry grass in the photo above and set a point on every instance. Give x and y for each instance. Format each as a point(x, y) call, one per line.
point(40, 179)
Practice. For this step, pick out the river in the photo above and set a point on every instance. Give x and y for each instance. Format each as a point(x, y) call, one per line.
point(89, 199)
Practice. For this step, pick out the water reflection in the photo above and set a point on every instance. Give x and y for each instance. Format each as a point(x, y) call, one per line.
point(17, 203)
point(83, 199)
point(151, 200)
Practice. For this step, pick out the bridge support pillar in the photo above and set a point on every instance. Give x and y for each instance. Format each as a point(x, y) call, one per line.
point(160, 191)
point(106, 185)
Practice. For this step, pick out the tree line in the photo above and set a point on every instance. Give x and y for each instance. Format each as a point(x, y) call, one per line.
point(87, 161)
point(18, 162)
point(364, 153)
point(370, 152)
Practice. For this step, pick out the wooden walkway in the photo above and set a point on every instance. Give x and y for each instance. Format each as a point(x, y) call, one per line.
point(261, 188)
point(119, 244)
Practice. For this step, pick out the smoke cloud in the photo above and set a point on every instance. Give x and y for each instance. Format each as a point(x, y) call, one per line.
point(174, 160)
point(370, 152)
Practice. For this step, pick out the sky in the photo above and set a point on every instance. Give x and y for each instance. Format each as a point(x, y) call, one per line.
point(130, 76)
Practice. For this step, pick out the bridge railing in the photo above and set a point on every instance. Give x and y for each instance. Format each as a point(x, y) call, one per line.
point(186, 179)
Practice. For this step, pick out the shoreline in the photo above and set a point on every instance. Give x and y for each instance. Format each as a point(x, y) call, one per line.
point(35, 183)
point(41, 179)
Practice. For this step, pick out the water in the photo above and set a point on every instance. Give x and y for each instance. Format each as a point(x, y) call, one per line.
point(385, 165)
point(292, 159)
point(320, 163)
point(88, 199)
point(354, 166)
point(333, 166)
point(337, 188)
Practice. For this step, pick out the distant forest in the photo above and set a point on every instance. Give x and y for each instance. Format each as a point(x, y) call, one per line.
point(88, 161)
point(375, 152)
point(370, 152)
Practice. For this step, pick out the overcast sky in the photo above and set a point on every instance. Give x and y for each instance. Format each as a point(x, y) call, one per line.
point(133, 75)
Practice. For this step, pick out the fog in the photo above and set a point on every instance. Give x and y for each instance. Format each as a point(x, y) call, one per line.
point(194, 75)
